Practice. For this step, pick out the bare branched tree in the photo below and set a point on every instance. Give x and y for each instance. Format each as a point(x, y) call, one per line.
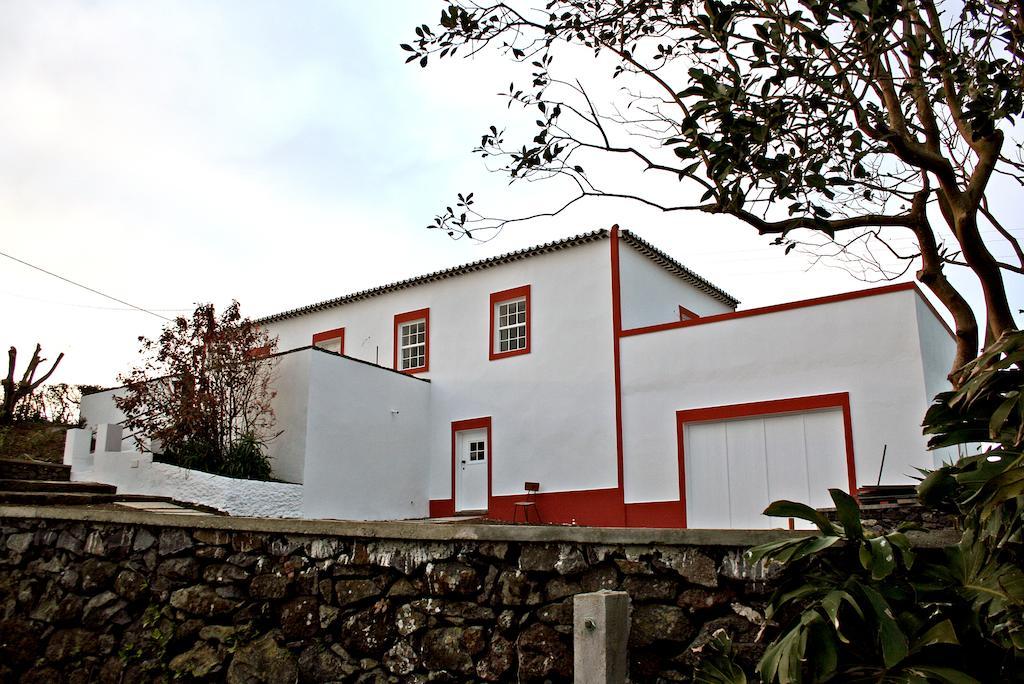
point(16, 391)
point(841, 127)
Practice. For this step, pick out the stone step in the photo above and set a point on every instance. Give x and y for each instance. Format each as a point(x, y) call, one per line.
point(56, 486)
point(19, 469)
point(146, 497)
point(55, 498)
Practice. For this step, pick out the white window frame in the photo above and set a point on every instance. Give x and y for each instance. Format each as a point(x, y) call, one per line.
point(403, 360)
point(522, 340)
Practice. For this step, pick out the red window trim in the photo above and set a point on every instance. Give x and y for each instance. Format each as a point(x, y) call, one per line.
point(258, 352)
point(405, 318)
point(685, 314)
point(335, 334)
point(472, 424)
point(504, 296)
point(763, 408)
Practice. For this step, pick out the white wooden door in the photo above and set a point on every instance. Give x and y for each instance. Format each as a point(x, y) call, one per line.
point(735, 468)
point(471, 470)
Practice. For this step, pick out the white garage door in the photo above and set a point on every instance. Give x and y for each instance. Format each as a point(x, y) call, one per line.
point(735, 468)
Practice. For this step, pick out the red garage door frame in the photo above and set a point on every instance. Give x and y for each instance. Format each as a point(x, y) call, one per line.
point(839, 400)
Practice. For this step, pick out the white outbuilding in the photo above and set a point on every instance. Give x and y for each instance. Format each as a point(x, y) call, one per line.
point(626, 388)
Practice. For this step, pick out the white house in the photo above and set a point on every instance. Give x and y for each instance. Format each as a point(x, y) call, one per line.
point(599, 367)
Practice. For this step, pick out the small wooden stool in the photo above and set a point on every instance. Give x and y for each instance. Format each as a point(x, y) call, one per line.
point(529, 505)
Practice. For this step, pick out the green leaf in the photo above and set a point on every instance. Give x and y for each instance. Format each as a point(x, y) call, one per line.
point(944, 675)
point(941, 633)
point(793, 509)
point(900, 541)
point(848, 513)
point(883, 558)
point(717, 665)
point(891, 637)
point(831, 604)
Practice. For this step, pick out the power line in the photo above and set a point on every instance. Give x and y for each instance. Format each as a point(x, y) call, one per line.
point(84, 287)
point(76, 305)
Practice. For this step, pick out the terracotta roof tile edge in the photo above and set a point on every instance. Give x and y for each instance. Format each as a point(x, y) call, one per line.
point(645, 248)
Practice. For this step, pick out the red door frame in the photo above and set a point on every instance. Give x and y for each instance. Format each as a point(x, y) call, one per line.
point(839, 400)
point(471, 424)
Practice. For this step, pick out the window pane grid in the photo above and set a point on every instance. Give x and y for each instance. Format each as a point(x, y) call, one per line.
point(512, 325)
point(476, 451)
point(413, 344)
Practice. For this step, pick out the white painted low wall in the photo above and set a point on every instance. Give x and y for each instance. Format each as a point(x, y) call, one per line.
point(136, 473)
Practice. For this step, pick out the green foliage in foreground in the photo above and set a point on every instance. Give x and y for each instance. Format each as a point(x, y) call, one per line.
point(245, 459)
point(858, 606)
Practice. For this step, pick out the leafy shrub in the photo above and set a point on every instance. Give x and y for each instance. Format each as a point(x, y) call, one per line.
point(246, 458)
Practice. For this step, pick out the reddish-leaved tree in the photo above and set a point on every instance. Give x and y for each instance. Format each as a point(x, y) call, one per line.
point(203, 387)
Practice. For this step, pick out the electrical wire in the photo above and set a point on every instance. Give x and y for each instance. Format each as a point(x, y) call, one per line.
point(84, 287)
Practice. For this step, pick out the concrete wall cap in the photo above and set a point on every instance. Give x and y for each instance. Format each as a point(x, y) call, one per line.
point(425, 531)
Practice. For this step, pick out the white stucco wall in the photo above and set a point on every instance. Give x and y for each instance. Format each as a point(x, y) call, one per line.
point(936, 363)
point(869, 347)
point(135, 473)
point(99, 408)
point(651, 295)
point(552, 410)
point(287, 451)
point(367, 456)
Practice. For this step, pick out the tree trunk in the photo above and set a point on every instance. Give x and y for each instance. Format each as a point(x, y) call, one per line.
point(999, 317)
point(932, 276)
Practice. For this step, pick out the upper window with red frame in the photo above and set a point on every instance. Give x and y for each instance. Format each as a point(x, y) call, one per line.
point(412, 341)
point(331, 340)
point(510, 322)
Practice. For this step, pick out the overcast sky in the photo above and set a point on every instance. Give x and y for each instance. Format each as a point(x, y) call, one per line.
point(169, 153)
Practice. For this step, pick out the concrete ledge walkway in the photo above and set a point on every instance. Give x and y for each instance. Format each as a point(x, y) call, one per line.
point(422, 532)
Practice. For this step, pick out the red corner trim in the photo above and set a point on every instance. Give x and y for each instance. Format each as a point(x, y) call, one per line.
point(472, 424)
point(405, 318)
point(336, 334)
point(503, 296)
point(617, 367)
point(762, 408)
point(685, 314)
point(786, 306)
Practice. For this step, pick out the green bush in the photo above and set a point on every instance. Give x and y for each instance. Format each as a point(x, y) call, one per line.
point(246, 458)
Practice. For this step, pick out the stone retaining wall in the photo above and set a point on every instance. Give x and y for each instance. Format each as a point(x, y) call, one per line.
point(99, 596)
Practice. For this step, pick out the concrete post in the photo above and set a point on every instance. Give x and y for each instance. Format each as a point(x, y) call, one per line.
point(108, 438)
point(77, 445)
point(600, 630)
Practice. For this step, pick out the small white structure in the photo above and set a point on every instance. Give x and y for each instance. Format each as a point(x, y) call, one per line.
point(138, 473)
point(627, 386)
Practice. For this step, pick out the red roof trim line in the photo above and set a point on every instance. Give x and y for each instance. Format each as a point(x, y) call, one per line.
point(787, 306)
